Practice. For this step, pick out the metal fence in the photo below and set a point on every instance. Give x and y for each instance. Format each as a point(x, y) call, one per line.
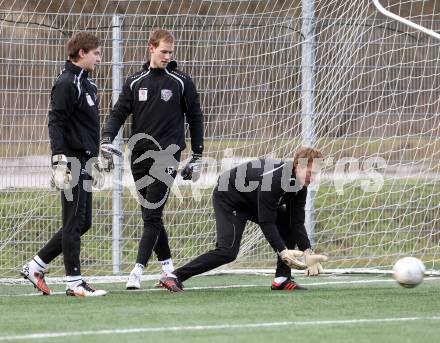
point(245, 91)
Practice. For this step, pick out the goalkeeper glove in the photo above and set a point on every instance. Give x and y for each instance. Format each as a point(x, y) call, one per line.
point(107, 152)
point(61, 177)
point(192, 169)
point(313, 262)
point(289, 257)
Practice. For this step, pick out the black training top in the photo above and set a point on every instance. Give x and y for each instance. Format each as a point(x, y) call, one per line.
point(74, 114)
point(159, 99)
point(258, 188)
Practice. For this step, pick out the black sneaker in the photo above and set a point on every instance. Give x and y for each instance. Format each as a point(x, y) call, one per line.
point(288, 285)
point(171, 283)
point(159, 285)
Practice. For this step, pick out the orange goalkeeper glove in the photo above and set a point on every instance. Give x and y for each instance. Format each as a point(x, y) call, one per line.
point(313, 262)
point(289, 257)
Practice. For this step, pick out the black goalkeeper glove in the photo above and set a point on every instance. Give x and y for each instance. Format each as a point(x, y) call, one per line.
point(193, 168)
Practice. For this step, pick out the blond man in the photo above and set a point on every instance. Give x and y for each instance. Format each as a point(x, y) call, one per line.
point(272, 194)
point(159, 98)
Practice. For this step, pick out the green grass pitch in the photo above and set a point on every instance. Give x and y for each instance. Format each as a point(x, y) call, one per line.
point(361, 308)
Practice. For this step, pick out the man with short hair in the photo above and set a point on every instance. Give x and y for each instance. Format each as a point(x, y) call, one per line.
point(74, 139)
point(268, 192)
point(159, 97)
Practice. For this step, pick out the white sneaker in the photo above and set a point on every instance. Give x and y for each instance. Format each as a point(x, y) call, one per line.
point(134, 281)
point(84, 290)
point(35, 276)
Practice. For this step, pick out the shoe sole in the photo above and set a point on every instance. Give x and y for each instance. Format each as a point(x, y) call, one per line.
point(35, 286)
point(289, 290)
point(159, 285)
point(132, 288)
point(70, 293)
point(176, 290)
point(82, 295)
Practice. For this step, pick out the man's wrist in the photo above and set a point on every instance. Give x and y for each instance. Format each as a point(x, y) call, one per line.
point(106, 140)
point(59, 159)
point(197, 150)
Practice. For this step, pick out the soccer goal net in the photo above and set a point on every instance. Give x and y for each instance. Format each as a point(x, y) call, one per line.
point(272, 76)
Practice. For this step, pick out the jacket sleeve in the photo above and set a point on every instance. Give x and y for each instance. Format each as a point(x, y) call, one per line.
point(267, 216)
point(63, 98)
point(194, 116)
point(119, 113)
point(296, 214)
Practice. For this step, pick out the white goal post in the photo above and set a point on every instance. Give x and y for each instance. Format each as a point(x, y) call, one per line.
point(405, 21)
point(369, 90)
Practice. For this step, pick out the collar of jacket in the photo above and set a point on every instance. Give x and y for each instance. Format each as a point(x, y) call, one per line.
point(76, 70)
point(171, 66)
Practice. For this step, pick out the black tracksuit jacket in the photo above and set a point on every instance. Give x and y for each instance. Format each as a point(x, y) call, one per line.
point(159, 99)
point(74, 114)
point(262, 203)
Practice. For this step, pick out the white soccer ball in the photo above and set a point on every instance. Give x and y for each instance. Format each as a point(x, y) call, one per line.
point(409, 272)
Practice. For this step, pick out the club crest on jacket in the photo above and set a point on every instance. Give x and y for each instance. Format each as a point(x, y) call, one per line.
point(166, 94)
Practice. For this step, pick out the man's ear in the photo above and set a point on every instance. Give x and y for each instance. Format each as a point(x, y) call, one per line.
point(81, 53)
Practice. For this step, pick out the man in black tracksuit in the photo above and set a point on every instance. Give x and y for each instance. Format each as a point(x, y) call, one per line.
point(270, 193)
point(159, 97)
point(74, 139)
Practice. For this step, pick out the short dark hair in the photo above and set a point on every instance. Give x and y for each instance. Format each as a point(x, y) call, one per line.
point(81, 40)
point(160, 35)
point(306, 153)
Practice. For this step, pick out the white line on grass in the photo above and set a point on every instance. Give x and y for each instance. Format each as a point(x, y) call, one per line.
point(324, 283)
point(138, 290)
point(46, 335)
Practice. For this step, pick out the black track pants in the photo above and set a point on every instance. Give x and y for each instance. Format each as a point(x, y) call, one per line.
point(153, 195)
point(77, 219)
point(230, 225)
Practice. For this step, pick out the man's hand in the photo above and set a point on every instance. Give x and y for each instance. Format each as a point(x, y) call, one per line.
point(98, 177)
point(313, 262)
point(61, 177)
point(192, 169)
point(289, 257)
point(107, 152)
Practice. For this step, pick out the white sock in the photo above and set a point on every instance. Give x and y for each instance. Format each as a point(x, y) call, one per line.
point(38, 263)
point(138, 269)
point(280, 279)
point(73, 281)
point(171, 275)
point(167, 266)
